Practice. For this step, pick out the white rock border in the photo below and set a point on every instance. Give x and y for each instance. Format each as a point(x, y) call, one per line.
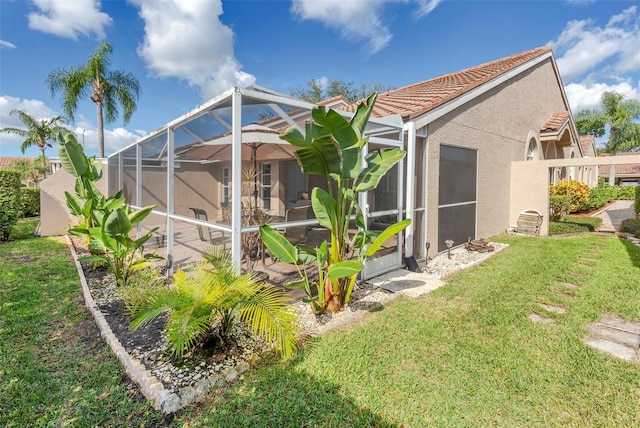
point(150, 386)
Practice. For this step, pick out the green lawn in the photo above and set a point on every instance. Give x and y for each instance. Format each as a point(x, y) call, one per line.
point(574, 224)
point(54, 368)
point(465, 355)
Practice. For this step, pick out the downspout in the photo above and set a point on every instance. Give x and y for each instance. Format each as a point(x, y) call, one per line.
point(410, 128)
point(236, 178)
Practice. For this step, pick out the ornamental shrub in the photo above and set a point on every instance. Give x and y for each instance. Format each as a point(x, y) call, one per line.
point(631, 225)
point(577, 191)
point(30, 201)
point(559, 207)
point(9, 201)
point(625, 192)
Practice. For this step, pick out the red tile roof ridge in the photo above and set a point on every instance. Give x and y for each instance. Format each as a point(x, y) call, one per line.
point(419, 98)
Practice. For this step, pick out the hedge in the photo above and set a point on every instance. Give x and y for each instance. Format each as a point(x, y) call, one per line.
point(631, 225)
point(30, 201)
point(9, 201)
point(638, 201)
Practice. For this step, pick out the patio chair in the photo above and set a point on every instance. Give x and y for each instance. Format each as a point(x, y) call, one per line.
point(297, 234)
point(205, 233)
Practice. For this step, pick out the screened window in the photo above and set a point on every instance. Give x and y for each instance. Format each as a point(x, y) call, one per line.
point(266, 186)
point(457, 195)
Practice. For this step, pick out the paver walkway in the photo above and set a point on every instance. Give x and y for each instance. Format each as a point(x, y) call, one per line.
point(613, 215)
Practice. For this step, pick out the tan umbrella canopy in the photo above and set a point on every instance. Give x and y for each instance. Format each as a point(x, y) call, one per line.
point(254, 137)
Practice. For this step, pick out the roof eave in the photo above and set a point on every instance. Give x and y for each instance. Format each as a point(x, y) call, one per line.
point(423, 119)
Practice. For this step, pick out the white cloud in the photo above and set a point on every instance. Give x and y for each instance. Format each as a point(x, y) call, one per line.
point(612, 48)
point(9, 143)
point(588, 95)
point(69, 19)
point(185, 39)
point(114, 139)
point(355, 19)
point(425, 7)
point(5, 44)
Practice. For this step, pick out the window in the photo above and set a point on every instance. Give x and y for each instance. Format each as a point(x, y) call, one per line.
point(266, 186)
point(225, 185)
point(531, 150)
point(457, 195)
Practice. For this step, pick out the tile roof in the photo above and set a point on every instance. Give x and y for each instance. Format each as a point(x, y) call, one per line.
point(626, 169)
point(586, 141)
point(555, 124)
point(5, 161)
point(419, 98)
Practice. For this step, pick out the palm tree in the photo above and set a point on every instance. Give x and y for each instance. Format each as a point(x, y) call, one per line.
point(106, 88)
point(37, 133)
point(617, 113)
point(212, 297)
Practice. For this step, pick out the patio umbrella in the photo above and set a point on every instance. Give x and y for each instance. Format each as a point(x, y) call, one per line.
point(254, 137)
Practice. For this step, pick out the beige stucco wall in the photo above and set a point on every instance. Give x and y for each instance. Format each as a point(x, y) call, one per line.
point(529, 182)
point(530, 191)
point(496, 124)
point(54, 214)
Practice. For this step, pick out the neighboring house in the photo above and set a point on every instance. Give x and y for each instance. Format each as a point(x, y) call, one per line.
point(32, 180)
point(462, 131)
point(625, 175)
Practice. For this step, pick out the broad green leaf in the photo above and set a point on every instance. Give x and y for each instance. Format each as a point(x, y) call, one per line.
point(324, 207)
point(118, 223)
point(344, 269)
point(88, 207)
point(78, 230)
point(360, 220)
point(144, 238)
point(306, 254)
point(73, 204)
point(386, 234)
point(319, 158)
point(297, 285)
point(113, 203)
point(141, 214)
point(71, 156)
point(278, 245)
point(360, 119)
point(378, 163)
point(92, 258)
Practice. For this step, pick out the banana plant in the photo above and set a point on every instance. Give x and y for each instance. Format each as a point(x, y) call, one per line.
point(112, 238)
point(89, 205)
point(332, 146)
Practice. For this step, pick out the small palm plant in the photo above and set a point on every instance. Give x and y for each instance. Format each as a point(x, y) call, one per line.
point(212, 297)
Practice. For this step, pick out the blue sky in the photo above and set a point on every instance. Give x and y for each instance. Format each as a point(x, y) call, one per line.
point(185, 51)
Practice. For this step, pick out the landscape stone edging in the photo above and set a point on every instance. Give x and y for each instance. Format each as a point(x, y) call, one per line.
point(150, 386)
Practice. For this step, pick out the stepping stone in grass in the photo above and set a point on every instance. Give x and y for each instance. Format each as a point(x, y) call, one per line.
point(552, 308)
point(538, 319)
point(567, 285)
point(579, 275)
point(584, 266)
point(569, 293)
point(617, 337)
point(588, 260)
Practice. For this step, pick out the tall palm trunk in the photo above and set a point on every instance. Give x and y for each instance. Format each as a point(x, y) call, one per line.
point(100, 130)
point(44, 162)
